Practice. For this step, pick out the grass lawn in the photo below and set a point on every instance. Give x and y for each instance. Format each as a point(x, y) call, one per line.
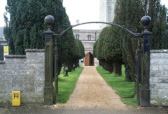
point(66, 84)
point(124, 89)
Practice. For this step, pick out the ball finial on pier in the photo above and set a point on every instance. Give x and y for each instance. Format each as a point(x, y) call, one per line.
point(49, 20)
point(145, 20)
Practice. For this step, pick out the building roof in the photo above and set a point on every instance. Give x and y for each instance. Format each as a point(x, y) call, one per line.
point(1, 32)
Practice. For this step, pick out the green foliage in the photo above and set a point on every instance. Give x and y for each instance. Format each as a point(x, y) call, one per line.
point(77, 53)
point(108, 48)
point(112, 41)
point(112, 45)
point(79, 50)
point(158, 24)
point(66, 84)
point(99, 44)
point(130, 17)
point(124, 89)
point(94, 48)
point(117, 45)
point(26, 27)
point(167, 28)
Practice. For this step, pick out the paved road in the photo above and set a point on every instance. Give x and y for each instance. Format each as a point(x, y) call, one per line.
point(51, 110)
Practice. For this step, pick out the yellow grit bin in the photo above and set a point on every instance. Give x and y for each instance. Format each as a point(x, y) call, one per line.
point(16, 98)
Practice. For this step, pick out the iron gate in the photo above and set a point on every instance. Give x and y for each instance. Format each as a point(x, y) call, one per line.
point(142, 62)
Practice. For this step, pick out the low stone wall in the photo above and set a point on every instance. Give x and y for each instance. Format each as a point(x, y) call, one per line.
point(159, 77)
point(23, 73)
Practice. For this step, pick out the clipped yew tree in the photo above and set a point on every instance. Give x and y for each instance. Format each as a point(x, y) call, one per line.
point(24, 29)
point(130, 17)
point(167, 28)
point(158, 24)
point(99, 50)
point(80, 52)
point(94, 48)
point(113, 49)
point(108, 49)
point(77, 54)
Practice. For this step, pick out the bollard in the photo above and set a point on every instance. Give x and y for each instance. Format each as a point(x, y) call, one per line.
point(73, 66)
point(66, 70)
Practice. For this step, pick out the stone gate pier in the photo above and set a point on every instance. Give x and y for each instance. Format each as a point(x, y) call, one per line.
point(159, 77)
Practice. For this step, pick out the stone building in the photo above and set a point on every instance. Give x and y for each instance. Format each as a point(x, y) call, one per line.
point(106, 13)
point(88, 38)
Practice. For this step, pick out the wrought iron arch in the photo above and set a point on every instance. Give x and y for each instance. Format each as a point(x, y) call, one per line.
point(108, 23)
point(50, 46)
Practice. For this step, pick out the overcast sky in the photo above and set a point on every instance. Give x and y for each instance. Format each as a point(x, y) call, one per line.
point(82, 10)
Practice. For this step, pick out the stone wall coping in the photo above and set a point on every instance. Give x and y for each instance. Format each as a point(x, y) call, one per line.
point(159, 51)
point(15, 56)
point(2, 62)
point(35, 50)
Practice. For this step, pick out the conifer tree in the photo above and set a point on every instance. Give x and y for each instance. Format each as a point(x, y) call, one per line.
point(99, 50)
point(112, 48)
point(26, 26)
point(78, 53)
point(129, 17)
point(158, 24)
point(109, 51)
point(167, 26)
point(94, 48)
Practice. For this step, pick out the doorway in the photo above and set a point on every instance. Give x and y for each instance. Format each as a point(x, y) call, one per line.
point(89, 59)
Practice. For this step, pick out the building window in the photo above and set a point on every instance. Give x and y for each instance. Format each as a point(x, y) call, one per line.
point(95, 36)
point(89, 37)
point(77, 36)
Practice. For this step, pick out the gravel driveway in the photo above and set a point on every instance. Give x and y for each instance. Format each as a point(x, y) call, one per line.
point(93, 92)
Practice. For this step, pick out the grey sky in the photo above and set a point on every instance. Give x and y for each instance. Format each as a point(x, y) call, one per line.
point(83, 10)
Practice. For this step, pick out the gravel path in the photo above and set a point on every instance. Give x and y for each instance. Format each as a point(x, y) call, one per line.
point(93, 92)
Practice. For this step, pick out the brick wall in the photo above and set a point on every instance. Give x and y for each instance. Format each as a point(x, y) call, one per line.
point(23, 73)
